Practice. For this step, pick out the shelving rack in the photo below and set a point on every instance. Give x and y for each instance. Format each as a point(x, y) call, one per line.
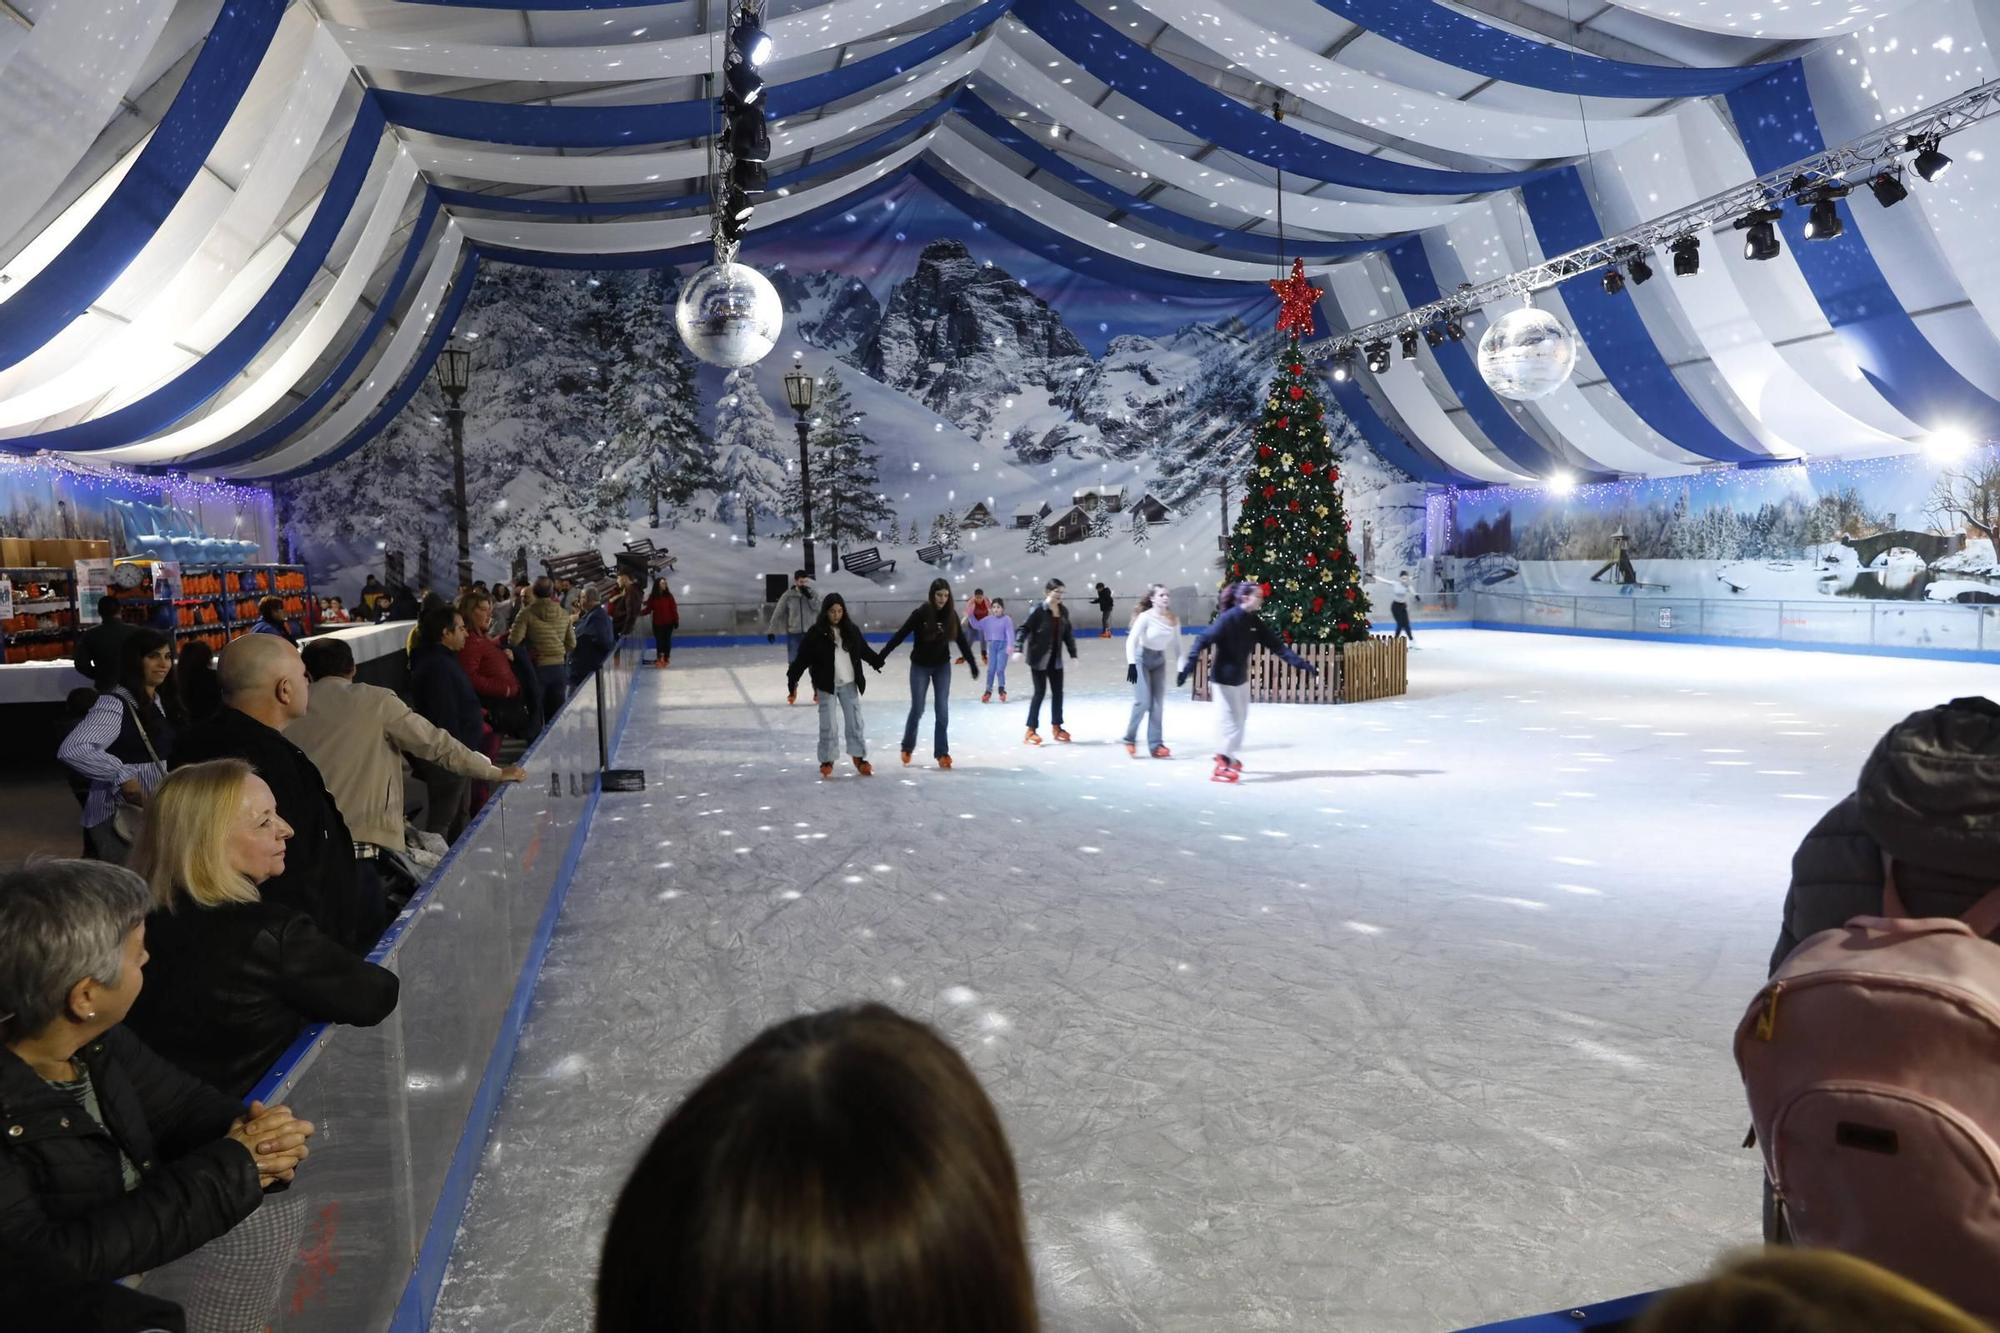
point(217, 603)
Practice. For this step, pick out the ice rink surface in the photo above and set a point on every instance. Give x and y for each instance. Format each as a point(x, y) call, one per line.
point(1425, 1023)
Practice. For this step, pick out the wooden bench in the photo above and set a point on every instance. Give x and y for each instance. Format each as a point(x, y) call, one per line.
point(869, 561)
point(578, 567)
point(931, 555)
point(653, 559)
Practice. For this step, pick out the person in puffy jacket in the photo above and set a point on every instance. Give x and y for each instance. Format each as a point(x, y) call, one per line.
point(1234, 634)
point(833, 651)
point(545, 628)
point(666, 614)
point(1928, 797)
point(442, 695)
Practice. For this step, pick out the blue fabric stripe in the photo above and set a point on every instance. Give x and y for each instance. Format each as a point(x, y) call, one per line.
point(1460, 40)
point(663, 122)
point(1611, 325)
point(1216, 118)
point(174, 400)
point(413, 379)
point(295, 420)
point(107, 244)
point(878, 146)
point(999, 128)
point(1052, 245)
point(1419, 283)
point(1775, 118)
point(1389, 443)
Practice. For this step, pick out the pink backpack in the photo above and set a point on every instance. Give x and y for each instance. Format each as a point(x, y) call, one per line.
point(1872, 1063)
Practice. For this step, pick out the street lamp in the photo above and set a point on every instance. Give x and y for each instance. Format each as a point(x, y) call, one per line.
point(799, 392)
point(454, 376)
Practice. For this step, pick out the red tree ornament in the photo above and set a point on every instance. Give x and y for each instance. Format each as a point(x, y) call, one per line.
point(1306, 467)
point(1270, 491)
point(1319, 605)
point(1312, 562)
point(1296, 392)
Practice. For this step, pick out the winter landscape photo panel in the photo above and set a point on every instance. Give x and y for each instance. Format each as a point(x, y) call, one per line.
point(1913, 528)
point(1008, 418)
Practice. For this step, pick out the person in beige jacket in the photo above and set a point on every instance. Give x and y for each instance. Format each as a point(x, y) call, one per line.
point(551, 636)
point(357, 735)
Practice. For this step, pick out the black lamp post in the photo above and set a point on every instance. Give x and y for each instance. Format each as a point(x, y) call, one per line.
point(454, 375)
point(799, 392)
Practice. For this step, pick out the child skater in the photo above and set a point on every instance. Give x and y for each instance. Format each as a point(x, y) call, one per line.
point(1154, 634)
point(936, 628)
point(833, 650)
point(1043, 637)
point(1234, 633)
point(996, 637)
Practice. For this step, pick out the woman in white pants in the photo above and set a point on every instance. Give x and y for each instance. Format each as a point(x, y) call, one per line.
point(1154, 633)
point(1236, 631)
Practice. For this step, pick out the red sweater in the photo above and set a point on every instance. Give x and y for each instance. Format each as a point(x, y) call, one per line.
point(664, 610)
point(486, 662)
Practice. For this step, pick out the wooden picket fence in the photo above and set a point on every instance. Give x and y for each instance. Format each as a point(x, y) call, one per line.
point(1348, 673)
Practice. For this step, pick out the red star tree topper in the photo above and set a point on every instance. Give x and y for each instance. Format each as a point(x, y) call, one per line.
point(1296, 299)
point(1291, 534)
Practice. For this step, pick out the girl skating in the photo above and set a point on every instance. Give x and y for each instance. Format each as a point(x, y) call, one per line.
point(995, 629)
point(833, 651)
point(1044, 635)
point(1234, 633)
point(1154, 634)
point(933, 628)
point(666, 613)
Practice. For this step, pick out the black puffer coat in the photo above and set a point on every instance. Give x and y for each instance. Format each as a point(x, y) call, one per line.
point(61, 1192)
point(1929, 796)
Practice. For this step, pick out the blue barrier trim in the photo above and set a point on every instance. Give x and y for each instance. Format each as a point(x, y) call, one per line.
point(1582, 1317)
point(1725, 641)
point(420, 1293)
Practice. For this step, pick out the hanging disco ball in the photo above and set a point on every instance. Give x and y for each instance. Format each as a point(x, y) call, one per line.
point(1527, 354)
point(729, 315)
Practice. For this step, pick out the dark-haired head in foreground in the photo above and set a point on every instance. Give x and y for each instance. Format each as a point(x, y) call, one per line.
point(843, 1173)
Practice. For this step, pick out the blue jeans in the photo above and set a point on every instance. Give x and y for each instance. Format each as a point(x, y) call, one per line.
point(554, 681)
point(996, 667)
point(1149, 698)
point(792, 642)
point(845, 704)
point(938, 679)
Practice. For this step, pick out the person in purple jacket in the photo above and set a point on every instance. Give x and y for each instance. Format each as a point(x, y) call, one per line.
point(1234, 634)
point(996, 631)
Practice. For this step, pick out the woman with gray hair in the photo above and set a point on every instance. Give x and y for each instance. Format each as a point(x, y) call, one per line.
point(112, 1161)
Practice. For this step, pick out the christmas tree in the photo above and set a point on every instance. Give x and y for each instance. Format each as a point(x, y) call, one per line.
point(1038, 537)
point(1291, 532)
point(1142, 531)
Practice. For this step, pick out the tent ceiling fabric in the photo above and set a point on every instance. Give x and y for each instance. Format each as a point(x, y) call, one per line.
point(233, 232)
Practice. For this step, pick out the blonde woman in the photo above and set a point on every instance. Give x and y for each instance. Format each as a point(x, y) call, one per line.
point(1812, 1291)
point(234, 979)
point(1154, 635)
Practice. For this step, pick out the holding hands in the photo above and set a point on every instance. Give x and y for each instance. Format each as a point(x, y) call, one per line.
point(274, 1138)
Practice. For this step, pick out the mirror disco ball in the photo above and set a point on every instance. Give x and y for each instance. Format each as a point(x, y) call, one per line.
point(1527, 354)
point(729, 315)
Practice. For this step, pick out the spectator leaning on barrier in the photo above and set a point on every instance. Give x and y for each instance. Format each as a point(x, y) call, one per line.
point(113, 1161)
point(357, 736)
point(233, 980)
point(121, 745)
point(596, 638)
point(843, 1171)
point(544, 627)
point(264, 690)
point(442, 692)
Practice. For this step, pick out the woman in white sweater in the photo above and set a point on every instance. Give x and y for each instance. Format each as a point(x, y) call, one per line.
point(1148, 644)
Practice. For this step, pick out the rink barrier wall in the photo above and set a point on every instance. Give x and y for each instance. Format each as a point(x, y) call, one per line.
point(404, 1108)
point(1606, 1317)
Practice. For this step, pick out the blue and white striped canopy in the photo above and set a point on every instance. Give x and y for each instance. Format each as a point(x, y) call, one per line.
point(234, 232)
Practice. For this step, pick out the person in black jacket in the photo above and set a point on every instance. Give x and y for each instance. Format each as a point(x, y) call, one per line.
point(113, 1162)
point(98, 652)
point(1104, 604)
point(233, 979)
point(1929, 799)
point(442, 695)
point(264, 688)
point(1043, 638)
point(936, 629)
point(832, 650)
point(1234, 634)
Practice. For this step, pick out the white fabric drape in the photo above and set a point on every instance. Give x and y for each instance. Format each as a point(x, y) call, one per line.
point(1768, 20)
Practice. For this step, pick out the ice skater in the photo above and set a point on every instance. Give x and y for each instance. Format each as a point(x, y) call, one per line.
point(832, 650)
point(1154, 633)
point(933, 629)
point(1103, 600)
point(1233, 634)
point(1399, 605)
point(793, 615)
point(975, 611)
point(995, 629)
point(1043, 637)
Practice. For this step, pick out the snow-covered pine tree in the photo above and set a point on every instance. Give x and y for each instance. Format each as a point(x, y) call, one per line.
point(749, 458)
point(1100, 522)
point(1142, 531)
point(1038, 536)
point(848, 505)
point(659, 453)
point(950, 537)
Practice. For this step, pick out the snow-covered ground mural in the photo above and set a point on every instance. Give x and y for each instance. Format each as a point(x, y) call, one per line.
point(1027, 420)
point(1913, 528)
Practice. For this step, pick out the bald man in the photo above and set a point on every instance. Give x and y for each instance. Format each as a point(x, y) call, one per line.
point(264, 689)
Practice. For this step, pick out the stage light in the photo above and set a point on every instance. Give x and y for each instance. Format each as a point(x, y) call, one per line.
point(745, 84)
point(751, 177)
point(748, 39)
point(1378, 357)
point(1561, 483)
point(1434, 335)
point(1929, 162)
point(1641, 271)
point(1343, 365)
point(1948, 443)
point(1823, 223)
point(1453, 329)
point(1687, 256)
point(1409, 338)
point(745, 133)
point(1760, 233)
point(1889, 188)
point(1614, 282)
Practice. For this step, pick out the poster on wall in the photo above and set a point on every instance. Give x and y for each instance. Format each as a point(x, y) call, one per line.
point(93, 580)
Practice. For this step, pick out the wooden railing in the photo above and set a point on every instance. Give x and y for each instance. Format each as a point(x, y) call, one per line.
point(1348, 673)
